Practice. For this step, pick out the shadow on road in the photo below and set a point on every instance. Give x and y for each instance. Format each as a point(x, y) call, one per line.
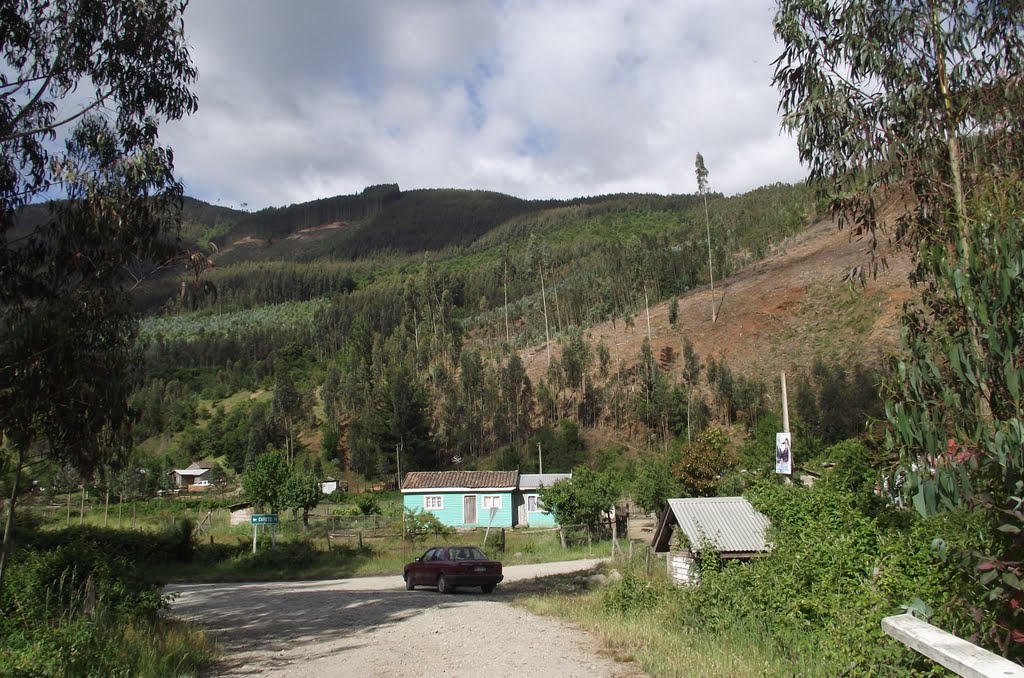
point(261, 625)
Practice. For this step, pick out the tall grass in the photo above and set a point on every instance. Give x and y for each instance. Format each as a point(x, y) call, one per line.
point(651, 635)
point(84, 602)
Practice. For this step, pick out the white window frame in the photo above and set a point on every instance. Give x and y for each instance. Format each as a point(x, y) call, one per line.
point(437, 499)
point(538, 505)
point(490, 501)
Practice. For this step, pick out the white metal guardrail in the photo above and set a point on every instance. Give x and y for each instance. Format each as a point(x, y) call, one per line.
point(956, 654)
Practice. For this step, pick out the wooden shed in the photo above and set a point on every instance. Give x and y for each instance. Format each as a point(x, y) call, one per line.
point(240, 513)
point(729, 525)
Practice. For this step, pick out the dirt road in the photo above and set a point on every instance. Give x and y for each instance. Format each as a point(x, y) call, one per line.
point(372, 626)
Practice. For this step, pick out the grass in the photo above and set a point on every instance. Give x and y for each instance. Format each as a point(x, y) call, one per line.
point(304, 556)
point(654, 639)
point(224, 552)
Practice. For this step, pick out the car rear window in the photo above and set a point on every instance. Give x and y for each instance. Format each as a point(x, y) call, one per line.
point(467, 553)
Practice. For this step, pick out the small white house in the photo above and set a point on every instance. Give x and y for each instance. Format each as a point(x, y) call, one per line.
point(328, 486)
point(183, 477)
point(729, 525)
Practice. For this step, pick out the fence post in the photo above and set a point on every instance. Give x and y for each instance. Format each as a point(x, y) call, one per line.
point(647, 564)
point(502, 547)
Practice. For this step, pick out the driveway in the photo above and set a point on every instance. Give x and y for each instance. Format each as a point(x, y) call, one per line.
point(372, 626)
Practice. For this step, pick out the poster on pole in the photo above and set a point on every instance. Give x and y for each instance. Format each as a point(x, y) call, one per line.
point(783, 453)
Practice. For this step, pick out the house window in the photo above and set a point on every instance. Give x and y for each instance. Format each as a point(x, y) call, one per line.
point(534, 504)
point(433, 502)
point(492, 501)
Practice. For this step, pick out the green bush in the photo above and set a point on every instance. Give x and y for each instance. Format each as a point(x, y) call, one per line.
point(831, 576)
point(286, 555)
point(421, 524)
point(367, 504)
point(81, 602)
point(632, 595)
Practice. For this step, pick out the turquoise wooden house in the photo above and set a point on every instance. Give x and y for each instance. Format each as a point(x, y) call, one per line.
point(529, 508)
point(463, 498)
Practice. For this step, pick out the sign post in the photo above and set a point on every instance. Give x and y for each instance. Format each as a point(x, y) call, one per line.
point(264, 519)
point(784, 440)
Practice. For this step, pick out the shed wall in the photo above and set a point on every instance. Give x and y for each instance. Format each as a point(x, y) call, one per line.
point(682, 569)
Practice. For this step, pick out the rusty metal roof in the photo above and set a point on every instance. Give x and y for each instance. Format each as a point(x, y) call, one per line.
point(727, 524)
point(460, 480)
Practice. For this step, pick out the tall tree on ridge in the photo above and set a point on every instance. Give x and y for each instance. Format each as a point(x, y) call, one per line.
point(537, 260)
point(702, 186)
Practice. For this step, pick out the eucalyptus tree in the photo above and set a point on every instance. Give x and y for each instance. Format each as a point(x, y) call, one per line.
point(287, 408)
point(537, 256)
point(702, 186)
point(917, 106)
point(66, 327)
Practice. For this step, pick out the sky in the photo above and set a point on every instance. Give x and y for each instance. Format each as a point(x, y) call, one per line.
point(537, 99)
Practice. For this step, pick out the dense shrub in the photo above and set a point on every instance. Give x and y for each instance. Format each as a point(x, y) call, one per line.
point(81, 602)
point(632, 595)
point(833, 573)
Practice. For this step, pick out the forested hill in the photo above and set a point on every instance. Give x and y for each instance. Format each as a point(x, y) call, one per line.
point(336, 245)
point(426, 324)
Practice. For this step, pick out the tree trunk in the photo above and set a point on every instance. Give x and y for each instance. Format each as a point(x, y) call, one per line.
point(7, 546)
point(544, 300)
point(647, 305)
point(711, 272)
point(508, 339)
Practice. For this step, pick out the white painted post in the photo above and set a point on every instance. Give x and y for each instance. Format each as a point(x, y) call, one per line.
point(785, 405)
point(956, 654)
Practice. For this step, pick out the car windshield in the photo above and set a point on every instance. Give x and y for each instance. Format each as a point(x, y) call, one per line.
point(467, 553)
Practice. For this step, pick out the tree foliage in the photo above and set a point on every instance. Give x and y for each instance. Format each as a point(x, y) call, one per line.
point(583, 499)
point(703, 462)
point(924, 100)
point(264, 483)
point(66, 329)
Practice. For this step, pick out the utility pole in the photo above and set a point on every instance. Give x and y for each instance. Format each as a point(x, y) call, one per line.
point(540, 460)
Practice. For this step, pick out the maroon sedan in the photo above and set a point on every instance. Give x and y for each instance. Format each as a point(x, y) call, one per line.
point(447, 567)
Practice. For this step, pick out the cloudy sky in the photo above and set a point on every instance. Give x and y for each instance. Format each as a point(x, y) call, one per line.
point(545, 98)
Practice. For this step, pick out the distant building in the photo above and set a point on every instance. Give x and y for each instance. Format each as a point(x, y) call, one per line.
point(184, 477)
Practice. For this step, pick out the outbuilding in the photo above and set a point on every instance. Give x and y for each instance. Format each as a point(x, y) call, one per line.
point(729, 525)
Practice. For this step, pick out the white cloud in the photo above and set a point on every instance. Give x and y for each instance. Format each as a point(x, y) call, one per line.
point(535, 99)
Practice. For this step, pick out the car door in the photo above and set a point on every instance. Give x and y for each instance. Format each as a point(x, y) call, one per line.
point(420, 569)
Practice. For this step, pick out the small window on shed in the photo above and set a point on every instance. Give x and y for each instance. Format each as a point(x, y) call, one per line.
point(433, 502)
point(534, 504)
point(492, 501)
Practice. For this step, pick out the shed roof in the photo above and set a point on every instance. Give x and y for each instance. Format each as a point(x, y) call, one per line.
point(191, 471)
point(417, 481)
point(532, 481)
point(727, 524)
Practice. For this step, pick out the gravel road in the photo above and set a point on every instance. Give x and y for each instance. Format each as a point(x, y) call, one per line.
point(372, 626)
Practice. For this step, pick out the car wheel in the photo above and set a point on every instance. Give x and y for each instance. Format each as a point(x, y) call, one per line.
point(443, 586)
point(487, 588)
point(409, 586)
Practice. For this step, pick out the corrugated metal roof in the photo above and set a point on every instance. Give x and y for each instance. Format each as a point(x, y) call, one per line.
point(453, 480)
point(531, 481)
point(729, 524)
